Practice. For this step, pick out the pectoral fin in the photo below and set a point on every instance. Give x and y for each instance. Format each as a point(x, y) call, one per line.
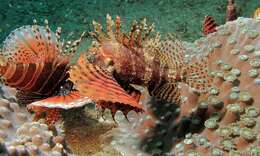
point(167, 91)
point(100, 86)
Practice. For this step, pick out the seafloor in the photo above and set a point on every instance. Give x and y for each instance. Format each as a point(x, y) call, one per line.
point(183, 17)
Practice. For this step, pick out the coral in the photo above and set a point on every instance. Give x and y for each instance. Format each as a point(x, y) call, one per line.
point(231, 106)
point(87, 133)
point(7, 93)
point(19, 135)
point(83, 133)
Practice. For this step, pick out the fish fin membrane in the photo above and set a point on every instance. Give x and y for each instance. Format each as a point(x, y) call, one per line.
point(30, 44)
point(169, 52)
point(197, 75)
point(72, 100)
point(52, 106)
point(167, 91)
point(98, 84)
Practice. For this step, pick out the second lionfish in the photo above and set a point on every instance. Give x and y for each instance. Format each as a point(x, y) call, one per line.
point(139, 58)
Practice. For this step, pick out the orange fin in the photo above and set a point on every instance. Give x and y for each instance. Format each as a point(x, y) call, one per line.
point(72, 100)
point(99, 85)
point(209, 25)
point(52, 106)
point(30, 44)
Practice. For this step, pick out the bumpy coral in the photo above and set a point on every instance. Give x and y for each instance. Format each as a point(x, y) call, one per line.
point(87, 133)
point(84, 134)
point(231, 106)
point(19, 135)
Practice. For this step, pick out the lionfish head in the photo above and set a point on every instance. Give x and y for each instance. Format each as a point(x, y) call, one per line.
point(105, 55)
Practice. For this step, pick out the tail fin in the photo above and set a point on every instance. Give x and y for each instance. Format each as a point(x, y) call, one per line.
point(197, 76)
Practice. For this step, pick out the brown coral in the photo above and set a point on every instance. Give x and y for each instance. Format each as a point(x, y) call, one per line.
point(232, 103)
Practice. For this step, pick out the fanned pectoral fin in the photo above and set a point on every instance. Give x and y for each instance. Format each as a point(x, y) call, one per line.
point(197, 76)
point(100, 86)
point(72, 100)
point(167, 91)
point(51, 106)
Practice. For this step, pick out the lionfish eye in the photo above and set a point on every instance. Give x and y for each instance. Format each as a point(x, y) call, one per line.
point(91, 58)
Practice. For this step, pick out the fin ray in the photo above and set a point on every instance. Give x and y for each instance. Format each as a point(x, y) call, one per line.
point(197, 75)
point(167, 91)
point(88, 79)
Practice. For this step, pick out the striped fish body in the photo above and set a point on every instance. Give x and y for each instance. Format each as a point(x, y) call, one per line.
point(32, 62)
point(129, 66)
point(115, 61)
point(135, 59)
point(35, 62)
point(42, 78)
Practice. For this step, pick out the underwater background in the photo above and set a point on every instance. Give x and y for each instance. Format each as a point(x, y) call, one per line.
point(183, 17)
point(155, 137)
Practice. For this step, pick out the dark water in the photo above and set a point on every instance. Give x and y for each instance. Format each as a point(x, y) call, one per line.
point(183, 17)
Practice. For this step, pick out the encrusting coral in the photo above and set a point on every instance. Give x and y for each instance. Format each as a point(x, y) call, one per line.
point(19, 135)
point(231, 106)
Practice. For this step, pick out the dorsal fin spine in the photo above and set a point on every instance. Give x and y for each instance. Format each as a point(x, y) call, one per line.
point(58, 44)
point(49, 55)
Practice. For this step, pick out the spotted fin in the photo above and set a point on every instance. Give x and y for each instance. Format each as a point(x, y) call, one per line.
point(30, 44)
point(167, 91)
point(100, 86)
point(209, 25)
point(196, 75)
point(34, 43)
point(169, 52)
point(52, 106)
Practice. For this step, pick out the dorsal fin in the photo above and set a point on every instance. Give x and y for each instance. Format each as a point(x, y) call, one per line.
point(30, 44)
point(209, 25)
point(139, 32)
